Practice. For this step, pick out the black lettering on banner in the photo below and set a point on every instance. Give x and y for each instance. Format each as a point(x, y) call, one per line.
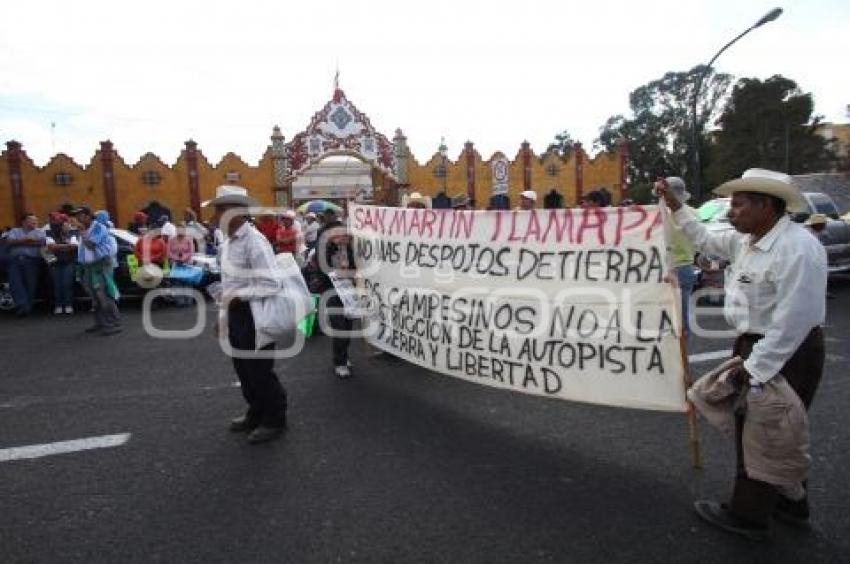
point(589, 264)
point(615, 260)
point(498, 369)
point(636, 260)
point(619, 367)
point(529, 377)
point(551, 381)
point(586, 353)
point(655, 360)
point(526, 263)
point(433, 349)
point(613, 325)
point(591, 326)
point(364, 248)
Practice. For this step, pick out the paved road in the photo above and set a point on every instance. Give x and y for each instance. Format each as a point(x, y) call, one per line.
point(396, 465)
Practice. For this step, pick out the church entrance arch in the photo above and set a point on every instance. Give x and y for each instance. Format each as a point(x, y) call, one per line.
point(339, 157)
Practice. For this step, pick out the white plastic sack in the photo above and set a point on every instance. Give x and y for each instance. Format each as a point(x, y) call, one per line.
point(276, 316)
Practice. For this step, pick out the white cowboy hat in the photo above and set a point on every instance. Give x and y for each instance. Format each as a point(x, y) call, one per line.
point(677, 189)
point(768, 182)
point(416, 198)
point(230, 195)
point(530, 194)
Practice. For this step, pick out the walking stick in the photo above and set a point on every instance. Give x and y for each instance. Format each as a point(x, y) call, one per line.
point(693, 426)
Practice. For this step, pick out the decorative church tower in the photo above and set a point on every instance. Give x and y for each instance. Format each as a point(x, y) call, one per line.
point(280, 170)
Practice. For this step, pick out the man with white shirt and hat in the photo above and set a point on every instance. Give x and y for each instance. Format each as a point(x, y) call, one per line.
point(775, 289)
point(527, 199)
point(248, 273)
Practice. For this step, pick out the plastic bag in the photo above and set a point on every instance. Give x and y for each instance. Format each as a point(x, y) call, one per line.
point(276, 317)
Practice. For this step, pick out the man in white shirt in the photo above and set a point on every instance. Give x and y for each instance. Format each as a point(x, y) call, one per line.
point(775, 289)
point(248, 273)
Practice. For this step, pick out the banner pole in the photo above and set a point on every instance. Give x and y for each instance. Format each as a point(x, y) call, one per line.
point(694, 441)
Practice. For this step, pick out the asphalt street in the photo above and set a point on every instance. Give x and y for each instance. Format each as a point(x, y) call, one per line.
point(395, 465)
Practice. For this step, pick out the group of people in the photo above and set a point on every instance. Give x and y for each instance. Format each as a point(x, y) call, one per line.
point(775, 289)
point(75, 246)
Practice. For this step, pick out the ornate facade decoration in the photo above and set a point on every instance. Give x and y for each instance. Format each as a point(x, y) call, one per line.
point(340, 129)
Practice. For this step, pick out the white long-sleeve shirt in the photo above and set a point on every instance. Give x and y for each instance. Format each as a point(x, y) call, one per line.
point(774, 287)
point(248, 268)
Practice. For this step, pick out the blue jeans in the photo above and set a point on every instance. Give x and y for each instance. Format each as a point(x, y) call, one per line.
point(23, 277)
point(687, 275)
point(62, 274)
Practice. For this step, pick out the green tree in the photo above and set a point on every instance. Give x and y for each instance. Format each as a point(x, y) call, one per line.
point(768, 124)
point(562, 145)
point(658, 133)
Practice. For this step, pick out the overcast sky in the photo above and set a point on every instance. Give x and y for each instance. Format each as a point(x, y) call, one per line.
point(150, 75)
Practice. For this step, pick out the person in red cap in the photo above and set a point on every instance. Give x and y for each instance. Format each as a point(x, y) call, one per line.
point(287, 238)
point(139, 224)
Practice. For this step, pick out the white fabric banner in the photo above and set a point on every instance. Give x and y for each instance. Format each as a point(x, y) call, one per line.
point(566, 303)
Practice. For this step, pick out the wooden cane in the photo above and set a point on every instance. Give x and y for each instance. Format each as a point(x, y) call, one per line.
point(693, 426)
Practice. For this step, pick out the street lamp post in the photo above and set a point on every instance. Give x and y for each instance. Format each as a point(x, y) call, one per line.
point(697, 183)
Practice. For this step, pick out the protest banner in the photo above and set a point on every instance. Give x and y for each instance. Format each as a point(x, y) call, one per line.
point(574, 304)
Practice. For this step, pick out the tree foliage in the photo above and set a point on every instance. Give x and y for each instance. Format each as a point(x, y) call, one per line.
point(562, 145)
point(658, 133)
point(768, 124)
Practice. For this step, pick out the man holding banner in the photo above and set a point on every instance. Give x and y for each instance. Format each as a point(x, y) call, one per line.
point(775, 291)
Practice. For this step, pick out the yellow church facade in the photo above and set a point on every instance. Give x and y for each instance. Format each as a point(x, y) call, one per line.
point(108, 182)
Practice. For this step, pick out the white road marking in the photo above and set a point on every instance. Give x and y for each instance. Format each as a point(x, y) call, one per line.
point(63, 447)
point(706, 356)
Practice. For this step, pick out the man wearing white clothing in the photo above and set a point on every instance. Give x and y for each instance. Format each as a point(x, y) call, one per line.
point(248, 273)
point(775, 288)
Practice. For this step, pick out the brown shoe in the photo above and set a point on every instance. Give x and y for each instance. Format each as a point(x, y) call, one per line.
point(264, 434)
point(719, 515)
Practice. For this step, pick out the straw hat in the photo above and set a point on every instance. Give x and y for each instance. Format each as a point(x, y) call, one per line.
point(229, 195)
point(762, 181)
point(817, 219)
point(416, 199)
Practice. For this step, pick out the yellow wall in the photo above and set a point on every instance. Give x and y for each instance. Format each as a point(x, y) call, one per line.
point(603, 170)
point(131, 194)
point(42, 195)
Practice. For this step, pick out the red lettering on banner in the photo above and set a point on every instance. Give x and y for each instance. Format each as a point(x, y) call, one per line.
point(462, 220)
point(497, 228)
point(622, 229)
point(560, 228)
point(532, 229)
point(398, 223)
point(656, 221)
point(588, 225)
point(429, 217)
point(513, 236)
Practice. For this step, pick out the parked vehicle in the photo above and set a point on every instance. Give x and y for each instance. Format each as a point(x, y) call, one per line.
point(128, 288)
